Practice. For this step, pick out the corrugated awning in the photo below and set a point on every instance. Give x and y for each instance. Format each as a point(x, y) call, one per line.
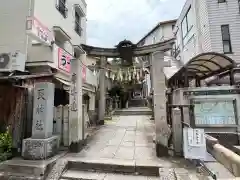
point(64, 82)
point(206, 65)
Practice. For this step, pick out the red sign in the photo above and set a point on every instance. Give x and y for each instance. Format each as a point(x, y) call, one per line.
point(64, 60)
point(84, 72)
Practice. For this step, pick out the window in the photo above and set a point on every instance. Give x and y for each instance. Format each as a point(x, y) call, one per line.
point(221, 1)
point(177, 44)
point(173, 26)
point(227, 47)
point(178, 38)
point(239, 5)
point(184, 27)
point(77, 27)
point(61, 7)
point(187, 23)
point(154, 40)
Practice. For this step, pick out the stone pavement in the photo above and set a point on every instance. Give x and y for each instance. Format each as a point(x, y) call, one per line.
point(122, 138)
point(123, 148)
point(126, 138)
point(127, 141)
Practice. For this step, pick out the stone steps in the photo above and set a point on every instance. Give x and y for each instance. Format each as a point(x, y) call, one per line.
point(114, 166)
point(127, 112)
point(137, 103)
point(167, 174)
point(19, 176)
point(114, 170)
point(86, 175)
point(19, 169)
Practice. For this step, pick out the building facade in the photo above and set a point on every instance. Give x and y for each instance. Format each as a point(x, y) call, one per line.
point(208, 26)
point(44, 31)
point(161, 32)
point(47, 34)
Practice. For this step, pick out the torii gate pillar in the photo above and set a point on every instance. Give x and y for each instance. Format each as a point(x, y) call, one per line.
point(159, 100)
point(102, 91)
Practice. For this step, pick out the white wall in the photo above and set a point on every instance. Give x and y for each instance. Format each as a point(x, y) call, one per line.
point(13, 16)
point(162, 33)
point(221, 14)
point(205, 36)
point(188, 44)
point(90, 61)
point(91, 78)
point(47, 13)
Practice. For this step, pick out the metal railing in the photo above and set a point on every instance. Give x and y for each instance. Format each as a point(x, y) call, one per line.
point(199, 162)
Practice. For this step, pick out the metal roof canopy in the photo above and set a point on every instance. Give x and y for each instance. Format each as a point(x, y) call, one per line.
point(225, 77)
point(204, 66)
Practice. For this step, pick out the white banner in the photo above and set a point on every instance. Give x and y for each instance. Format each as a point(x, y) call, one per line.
point(194, 144)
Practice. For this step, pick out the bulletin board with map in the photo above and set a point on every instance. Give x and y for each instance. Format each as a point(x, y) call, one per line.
point(219, 113)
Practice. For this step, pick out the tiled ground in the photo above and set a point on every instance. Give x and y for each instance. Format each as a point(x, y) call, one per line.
point(124, 137)
point(127, 138)
point(126, 141)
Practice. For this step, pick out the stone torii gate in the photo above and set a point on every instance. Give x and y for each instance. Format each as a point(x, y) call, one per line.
point(126, 51)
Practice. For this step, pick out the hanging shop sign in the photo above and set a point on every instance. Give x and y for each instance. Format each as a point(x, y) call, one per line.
point(64, 60)
point(38, 31)
point(84, 73)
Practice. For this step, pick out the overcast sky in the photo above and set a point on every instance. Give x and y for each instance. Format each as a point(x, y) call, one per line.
point(110, 21)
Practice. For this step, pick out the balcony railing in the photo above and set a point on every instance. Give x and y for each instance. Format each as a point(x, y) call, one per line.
point(61, 7)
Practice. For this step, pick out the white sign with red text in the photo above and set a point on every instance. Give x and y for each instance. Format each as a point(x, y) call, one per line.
point(64, 60)
point(84, 73)
point(38, 31)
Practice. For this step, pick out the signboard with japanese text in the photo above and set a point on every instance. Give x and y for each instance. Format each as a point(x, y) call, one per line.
point(214, 113)
point(73, 93)
point(38, 31)
point(194, 144)
point(84, 72)
point(43, 110)
point(40, 109)
point(64, 60)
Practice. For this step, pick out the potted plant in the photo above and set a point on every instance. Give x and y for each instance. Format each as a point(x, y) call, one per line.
point(5, 145)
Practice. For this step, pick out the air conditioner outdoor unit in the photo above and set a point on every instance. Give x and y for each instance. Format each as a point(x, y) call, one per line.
point(12, 62)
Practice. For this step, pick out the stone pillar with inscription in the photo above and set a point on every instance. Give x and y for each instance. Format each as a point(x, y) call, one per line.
point(42, 144)
point(76, 121)
point(177, 132)
point(159, 101)
point(102, 93)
